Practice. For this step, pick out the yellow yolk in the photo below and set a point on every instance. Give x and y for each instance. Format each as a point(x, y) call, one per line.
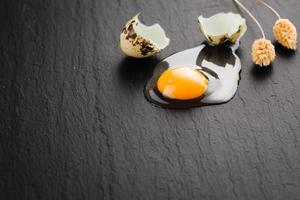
point(182, 83)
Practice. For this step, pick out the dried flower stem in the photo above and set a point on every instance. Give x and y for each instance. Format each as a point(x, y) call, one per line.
point(250, 14)
point(268, 6)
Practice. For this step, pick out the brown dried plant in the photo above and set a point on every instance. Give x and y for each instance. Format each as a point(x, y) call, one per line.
point(284, 30)
point(263, 51)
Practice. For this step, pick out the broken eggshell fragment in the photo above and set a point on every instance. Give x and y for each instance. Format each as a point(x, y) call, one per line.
point(140, 41)
point(222, 27)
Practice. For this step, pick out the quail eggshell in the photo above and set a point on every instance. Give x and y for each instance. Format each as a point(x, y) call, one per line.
point(140, 41)
point(222, 27)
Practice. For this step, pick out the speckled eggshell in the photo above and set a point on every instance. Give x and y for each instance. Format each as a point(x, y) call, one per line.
point(133, 44)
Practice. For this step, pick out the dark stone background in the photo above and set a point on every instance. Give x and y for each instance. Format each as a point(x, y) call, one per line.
point(74, 122)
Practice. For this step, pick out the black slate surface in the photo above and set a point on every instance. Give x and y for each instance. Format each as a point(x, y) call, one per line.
point(74, 122)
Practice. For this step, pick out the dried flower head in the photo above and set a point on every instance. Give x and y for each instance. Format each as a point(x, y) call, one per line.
point(284, 30)
point(263, 52)
point(285, 33)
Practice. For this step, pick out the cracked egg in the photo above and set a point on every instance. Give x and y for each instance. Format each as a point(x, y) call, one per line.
point(140, 41)
point(222, 27)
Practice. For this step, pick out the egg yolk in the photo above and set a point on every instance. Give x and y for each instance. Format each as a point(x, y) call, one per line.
point(182, 83)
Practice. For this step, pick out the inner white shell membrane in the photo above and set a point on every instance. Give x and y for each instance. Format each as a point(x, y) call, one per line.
point(221, 24)
point(154, 33)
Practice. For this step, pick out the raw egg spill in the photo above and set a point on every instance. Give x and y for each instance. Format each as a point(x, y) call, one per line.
point(203, 75)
